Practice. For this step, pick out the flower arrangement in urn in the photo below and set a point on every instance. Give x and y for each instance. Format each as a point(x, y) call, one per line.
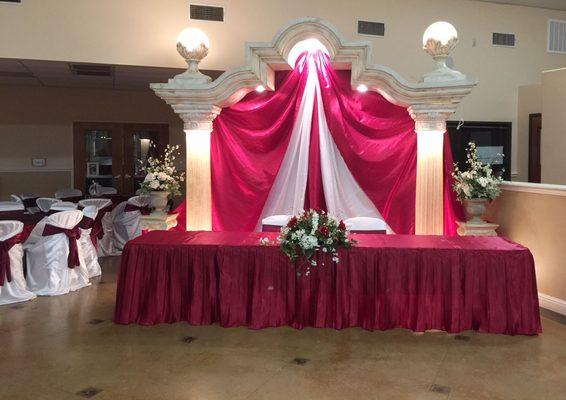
point(162, 178)
point(313, 231)
point(475, 187)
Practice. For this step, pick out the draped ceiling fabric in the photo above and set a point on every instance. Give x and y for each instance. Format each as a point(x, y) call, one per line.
point(316, 143)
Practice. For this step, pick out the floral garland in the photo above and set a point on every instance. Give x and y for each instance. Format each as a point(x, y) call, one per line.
point(313, 231)
point(162, 175)
point(478, 182)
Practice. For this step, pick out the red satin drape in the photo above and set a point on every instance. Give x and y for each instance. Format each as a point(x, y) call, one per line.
point(375, 137)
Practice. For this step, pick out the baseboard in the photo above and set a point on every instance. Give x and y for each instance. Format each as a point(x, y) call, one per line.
point(552, 303)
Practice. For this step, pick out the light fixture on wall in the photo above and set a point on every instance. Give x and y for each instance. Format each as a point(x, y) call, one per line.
point(439, 40)
point(260, 89)
point(193, 46)
point(362, 88)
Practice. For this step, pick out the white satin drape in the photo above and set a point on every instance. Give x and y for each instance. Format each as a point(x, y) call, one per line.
point(343, 195)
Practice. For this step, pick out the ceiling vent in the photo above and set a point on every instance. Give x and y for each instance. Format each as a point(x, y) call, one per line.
point(206, 13)
point(91, 69)
point(16, 74)
point(557, 37)
point(371, 28)
point(503, 39)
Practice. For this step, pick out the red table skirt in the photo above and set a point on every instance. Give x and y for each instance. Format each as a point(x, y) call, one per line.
point(387, 281)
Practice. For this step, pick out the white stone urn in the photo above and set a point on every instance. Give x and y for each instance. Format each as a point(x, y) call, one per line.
point(158, 201)
point(475, 209)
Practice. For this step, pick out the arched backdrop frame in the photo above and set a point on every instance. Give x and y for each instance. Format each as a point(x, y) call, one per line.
point(430, 102)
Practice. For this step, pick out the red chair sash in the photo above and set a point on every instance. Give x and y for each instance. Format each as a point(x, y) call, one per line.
point(86, 223)
point(5, 270)
point(29, 203)
point(144, 210)
point(73, 234)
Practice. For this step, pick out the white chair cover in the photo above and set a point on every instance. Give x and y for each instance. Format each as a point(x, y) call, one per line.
point(127, 224)
point(89, 251)
point(48, 271)
point(63, 206)
point(16, 198)
point(105, 246)
point(276, 220)
point(11, 206)
point(68, 192)
point(361, 224)
point(45, 203)
point(98, 203)
point(104, 190)
point(14, 291)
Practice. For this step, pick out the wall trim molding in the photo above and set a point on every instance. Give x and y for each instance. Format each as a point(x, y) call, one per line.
point(552, 303)
point(536, 188)
point(38, 169)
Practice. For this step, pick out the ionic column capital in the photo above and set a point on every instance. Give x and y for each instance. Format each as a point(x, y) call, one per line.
point(198, 117)
point(430, 118)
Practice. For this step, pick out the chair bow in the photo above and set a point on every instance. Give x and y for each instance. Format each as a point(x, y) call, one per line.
point(5, 246)
point(144, 210)
point(73, 234)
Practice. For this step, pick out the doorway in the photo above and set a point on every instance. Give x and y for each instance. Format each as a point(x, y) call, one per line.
point(114, 154)
point(535, 127)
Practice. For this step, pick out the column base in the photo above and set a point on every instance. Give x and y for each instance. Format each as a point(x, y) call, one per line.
point(486, 229)
point(158, 221)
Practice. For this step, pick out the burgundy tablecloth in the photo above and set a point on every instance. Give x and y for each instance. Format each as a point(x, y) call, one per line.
point(386, 281)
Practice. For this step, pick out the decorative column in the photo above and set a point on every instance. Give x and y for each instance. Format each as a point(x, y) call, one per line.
point(198, 129)
point(429, 202)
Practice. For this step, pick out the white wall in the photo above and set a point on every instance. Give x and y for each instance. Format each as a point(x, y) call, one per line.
point(143, 32)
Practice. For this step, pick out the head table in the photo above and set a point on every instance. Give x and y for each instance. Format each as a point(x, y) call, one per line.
point(420, 283)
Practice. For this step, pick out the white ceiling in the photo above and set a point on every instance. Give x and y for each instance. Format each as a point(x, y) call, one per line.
point(551, 4)
point(59, 74)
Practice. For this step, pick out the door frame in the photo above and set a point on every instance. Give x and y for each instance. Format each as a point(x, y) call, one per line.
point(530, 149)
point(121, 152)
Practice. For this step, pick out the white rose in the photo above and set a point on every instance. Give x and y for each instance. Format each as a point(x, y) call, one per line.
point(154, 184)
point(149, 177)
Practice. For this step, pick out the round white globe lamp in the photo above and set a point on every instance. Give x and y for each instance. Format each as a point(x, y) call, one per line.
point(439, 40)
point(193, 45)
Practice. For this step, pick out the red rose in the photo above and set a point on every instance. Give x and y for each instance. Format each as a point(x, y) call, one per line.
point(342, 226)
point(323, 230)
point(292, 222)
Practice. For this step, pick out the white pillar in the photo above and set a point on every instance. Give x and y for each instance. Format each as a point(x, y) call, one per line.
point(429, 202)
point(198, 129)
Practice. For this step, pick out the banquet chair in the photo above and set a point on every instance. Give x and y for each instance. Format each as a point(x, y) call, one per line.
point(55, 261)
point(87, 246)
point(15, 198)
point(44, 203)
point(63, 206)
point(69, 194)
point(105, 190)
point(29, 200)
point(274, 223)
point(366, 225)
point(127, 221)
point(105, 246)
point(12, 282)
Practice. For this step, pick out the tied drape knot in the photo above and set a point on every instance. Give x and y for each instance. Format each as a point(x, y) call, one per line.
point(86, 223)
point(5, 270)
point(144, 210)
point(73, 234)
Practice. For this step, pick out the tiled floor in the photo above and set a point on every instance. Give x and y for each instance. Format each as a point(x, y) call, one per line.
point(67, 347)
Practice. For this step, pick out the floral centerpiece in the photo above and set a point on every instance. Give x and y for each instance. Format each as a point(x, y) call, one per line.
point(162, 178)
point(476, 186)
point(313, 231)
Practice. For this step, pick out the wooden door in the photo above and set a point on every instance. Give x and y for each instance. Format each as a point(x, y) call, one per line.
point(140, 142)
point(535, 127)
point(97, 154)
point(113, 154)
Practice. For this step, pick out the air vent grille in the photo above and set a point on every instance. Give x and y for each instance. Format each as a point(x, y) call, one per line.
point(91, 69)
point(11, 1)
point(557, 36)
point(206, 13)
point(503, 39)
point(371, 28)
